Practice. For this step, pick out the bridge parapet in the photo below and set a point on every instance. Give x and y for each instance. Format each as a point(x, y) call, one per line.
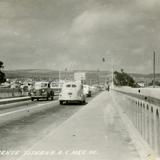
point(144, 111)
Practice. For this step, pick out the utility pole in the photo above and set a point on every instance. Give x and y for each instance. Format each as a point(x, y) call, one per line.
point(112, 75)
point(98, 76)
point(154, 69)
point(65, 74)
point(105, 77)
point(59, 75)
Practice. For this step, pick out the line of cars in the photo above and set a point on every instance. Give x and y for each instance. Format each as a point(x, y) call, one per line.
point(72, 91)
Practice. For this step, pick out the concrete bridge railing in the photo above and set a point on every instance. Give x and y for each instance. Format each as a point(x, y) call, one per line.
point(144, 112)
point(10, 92)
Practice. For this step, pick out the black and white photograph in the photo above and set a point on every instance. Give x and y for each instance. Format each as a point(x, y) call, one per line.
point(79, 79)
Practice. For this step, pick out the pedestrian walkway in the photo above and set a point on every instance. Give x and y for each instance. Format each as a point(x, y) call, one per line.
point(96, 132)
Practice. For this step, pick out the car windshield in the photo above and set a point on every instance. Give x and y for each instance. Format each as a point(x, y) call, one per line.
point(54, 84)
point(71, 86)
point(74, 86)
point(68, 85)
point(44, 85)
point(41, 85)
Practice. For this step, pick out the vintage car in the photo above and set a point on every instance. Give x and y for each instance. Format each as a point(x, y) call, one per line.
point(72, 92)
point(87, 90)
point(56, 86)
point(41, 90)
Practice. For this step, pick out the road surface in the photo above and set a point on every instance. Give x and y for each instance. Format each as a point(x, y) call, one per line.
point(91, 132)
point(24, 123)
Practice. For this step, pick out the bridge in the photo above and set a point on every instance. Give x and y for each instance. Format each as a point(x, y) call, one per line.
point(122, 124)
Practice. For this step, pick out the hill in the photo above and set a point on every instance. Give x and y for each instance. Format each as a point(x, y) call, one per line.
point(40, 74)
point(95, 75)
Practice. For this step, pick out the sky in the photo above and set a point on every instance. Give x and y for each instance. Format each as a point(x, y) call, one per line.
point(77, 34)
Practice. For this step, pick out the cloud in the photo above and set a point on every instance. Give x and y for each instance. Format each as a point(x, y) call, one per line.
point(148, 4)
point(77, 34)
point(92, 20)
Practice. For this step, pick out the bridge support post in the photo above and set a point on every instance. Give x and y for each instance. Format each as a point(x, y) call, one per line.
point(155, 131)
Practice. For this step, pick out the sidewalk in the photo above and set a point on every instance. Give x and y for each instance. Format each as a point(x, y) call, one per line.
point(96, 132)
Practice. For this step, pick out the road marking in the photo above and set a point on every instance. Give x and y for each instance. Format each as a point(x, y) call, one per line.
point(25, 109)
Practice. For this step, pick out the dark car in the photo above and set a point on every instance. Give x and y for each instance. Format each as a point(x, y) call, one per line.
point(42, 90)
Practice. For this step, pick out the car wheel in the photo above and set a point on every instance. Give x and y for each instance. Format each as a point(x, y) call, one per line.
point(60, 102)
point(52, 98)
point(83, 102)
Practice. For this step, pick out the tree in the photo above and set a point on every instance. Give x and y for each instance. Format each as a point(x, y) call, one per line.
point(1, 65)
point(2, 75)
point(123, 79)
point(157, 83)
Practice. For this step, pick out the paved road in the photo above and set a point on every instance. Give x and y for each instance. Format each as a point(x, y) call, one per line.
point(24, 123)
point(95, 132)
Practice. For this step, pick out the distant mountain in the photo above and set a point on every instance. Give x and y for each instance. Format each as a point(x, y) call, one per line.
point(145, 77)
point(45, 74)
point(46, 71)
point(30, 73)
point(96, 75)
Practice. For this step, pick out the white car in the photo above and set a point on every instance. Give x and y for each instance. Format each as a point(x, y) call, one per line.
point(72, 92)
point(87, 90)
point(94, 89)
